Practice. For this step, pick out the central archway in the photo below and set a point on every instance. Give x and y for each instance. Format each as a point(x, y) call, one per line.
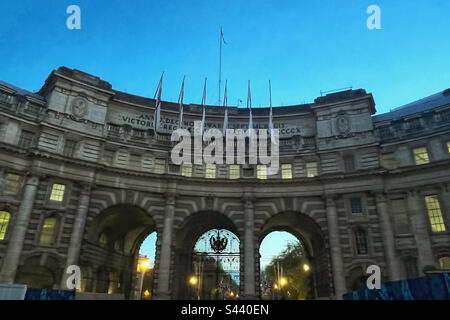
point(193, 229)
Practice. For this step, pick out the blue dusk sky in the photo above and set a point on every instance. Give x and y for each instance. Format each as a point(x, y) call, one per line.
point(304, 47)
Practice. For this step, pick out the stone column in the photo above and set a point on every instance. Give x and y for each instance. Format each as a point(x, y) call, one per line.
point(166, 249)
point(249, 250)
point(387, 233)
point(337, 262)
point(420, 225)
point(76, 238)
point(19, 230)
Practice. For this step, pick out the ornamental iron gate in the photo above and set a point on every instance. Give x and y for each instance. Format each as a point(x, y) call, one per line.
point(216, 266)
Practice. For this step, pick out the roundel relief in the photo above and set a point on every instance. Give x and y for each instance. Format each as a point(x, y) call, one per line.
point(343, 124)
point(79, 107)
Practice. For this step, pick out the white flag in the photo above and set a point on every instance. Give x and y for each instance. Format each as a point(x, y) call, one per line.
point(180, 103)
point(157, 117)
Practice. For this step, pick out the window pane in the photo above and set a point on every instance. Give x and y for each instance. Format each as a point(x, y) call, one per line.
point(26, 139)
point(421, 156)
point(160, 166)
point(135, 162)
point(235, 171)
point(286, 171)
point(4, 222)
point(261, 172)
point(186, 170)
point(57, 193)
point(448, 147)
point(444, 263)
point(361, 241)
point(311, 169)
point(69, 148)
point(103, 240)
point(210, 171)
point(12, 183)
point(48, 231)
point(356, 205)
point(349, 163)
point(435, 213)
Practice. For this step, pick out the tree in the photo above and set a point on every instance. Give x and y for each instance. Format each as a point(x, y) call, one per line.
point(292, 261)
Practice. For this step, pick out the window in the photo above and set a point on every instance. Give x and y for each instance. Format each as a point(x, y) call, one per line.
point(234, 171)
point(435, 213)
point(160, 166)
point(444, 263)
point(57, 193)
point(26, 139)
point(312, 169)
point(4, 222)
point(356, 205)
point(361, 241)
point(69, 148)
point(210, 172)
point(12, 183)
point(48, 231)
point(135, 161)
point(448, 147)
point(186, 170)
point(108, 156)
point(286, 171)
point(103, 240)
point(421, 156)
point(411, 267)
point(261, 172)
point(349, 163)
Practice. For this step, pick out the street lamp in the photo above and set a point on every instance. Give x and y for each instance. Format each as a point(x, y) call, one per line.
point(193, 281)
point(283, 281)
point(143, 266)
point(306, 267)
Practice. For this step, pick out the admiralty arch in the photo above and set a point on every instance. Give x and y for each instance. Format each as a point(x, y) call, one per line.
point(84, 180)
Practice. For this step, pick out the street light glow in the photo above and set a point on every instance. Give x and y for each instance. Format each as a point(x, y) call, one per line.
point(193, 281)
point(283, 281)
point(306, 267)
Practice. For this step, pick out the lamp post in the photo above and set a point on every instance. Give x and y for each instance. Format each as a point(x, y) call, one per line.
point(142, 267)
point(193, 281)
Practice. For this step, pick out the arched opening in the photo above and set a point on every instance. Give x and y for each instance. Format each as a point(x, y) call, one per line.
point(216, 264)
point(311, 261)
point(285, 268)
point(146, 266)
point(194, 236)
point(116, 237)
point(39, 273)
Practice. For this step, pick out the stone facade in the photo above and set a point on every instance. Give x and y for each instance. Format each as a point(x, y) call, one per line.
point(359, 188)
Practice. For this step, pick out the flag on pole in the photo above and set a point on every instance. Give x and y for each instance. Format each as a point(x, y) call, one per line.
point(180, 103)
point(225, 104)
point(270, 126)
point(202, 126)
point(249, 107)
point(222, 38)
point(157, 117)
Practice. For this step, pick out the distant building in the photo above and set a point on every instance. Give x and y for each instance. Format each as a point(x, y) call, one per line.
point(84, 180)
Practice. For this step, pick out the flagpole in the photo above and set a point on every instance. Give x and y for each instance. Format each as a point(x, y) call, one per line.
point(180, 101)
point(220, 63)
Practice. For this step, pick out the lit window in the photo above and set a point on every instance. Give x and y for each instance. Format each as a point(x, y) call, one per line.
point(26, 139)
point(312, 169)
point(69, 148)
point(103, 240)
point(286, 171)
point(12, 183)
point(356, 205)
point(261, 172)
point(444, 263)
point(361, 241)
point(186, 170)
point(57, 193)
point(210, 171)
point(421, 156)
point(435, 213)
point(48, 231)
point(4, 222)
point(234, 171)
point(448, 147)
point(160, 166)
point(349, 163)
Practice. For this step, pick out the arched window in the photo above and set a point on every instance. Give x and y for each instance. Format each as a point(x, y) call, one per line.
point(361, 241)
point(444, 263)
point(103, 240)
point(4, 222)
point(47, 237)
